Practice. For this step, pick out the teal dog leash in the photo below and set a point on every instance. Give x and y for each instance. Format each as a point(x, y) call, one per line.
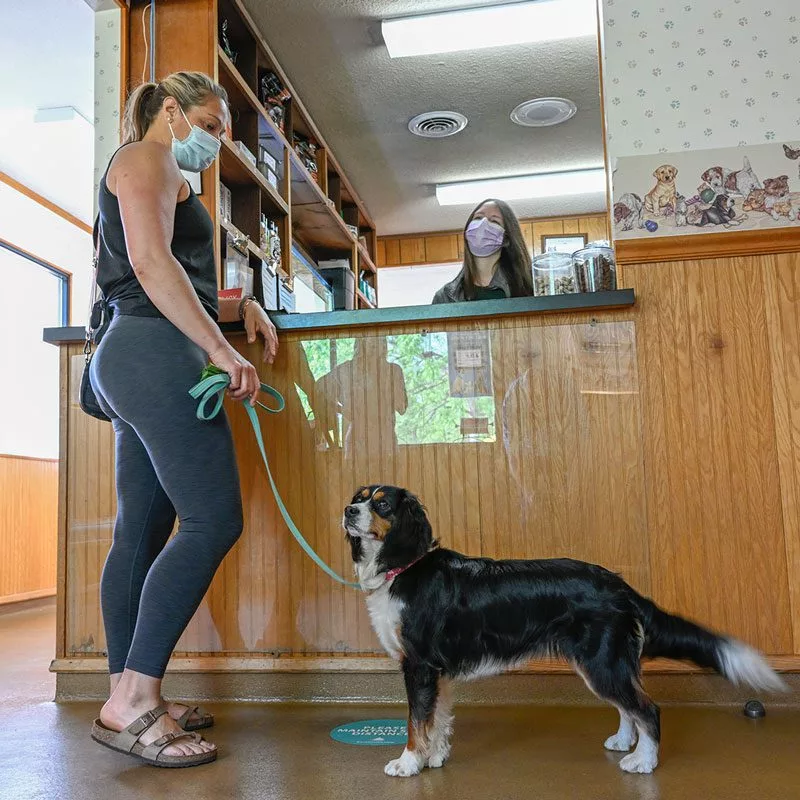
point(212, 387)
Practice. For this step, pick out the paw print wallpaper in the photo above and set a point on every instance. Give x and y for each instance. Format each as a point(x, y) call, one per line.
point(107, 55)
point(702, 115)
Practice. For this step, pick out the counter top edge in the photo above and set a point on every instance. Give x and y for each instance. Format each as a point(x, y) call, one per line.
point(594, 301)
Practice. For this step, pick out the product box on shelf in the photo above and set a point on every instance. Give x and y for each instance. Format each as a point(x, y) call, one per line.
point(286, 301)
point(270, 241)
point(269, 287)
point(224, 202)
point(353, 230)
point(248, 156)
point(338, 273)
point(267, 166)
point(237, 265)
point(265, 157)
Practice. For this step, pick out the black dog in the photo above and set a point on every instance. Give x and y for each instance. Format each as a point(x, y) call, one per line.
point(445, 616)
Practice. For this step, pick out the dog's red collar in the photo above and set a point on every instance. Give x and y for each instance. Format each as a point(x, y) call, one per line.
point(393, 573)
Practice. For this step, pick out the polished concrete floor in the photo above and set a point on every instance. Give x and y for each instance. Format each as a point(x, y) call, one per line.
point(283, 752)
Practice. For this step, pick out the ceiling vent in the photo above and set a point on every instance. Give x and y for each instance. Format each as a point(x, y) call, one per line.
point(543, 112)
point(437, 124)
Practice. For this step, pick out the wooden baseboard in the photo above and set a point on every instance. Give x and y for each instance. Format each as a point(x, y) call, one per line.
point(22, 596)
point(368, 664)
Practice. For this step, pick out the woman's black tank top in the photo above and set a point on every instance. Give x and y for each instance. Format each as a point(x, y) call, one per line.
point(192, 245)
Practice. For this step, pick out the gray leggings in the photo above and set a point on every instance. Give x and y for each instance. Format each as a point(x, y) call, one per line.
point(168, 463)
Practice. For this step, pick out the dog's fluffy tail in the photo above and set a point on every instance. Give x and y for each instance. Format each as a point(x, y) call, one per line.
point(669, 636)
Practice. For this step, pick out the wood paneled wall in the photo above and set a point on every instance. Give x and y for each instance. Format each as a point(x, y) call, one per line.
point(28, 527)
point(448, 247)
point(719, 377)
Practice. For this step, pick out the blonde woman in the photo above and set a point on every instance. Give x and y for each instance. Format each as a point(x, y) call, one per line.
point(157, 272)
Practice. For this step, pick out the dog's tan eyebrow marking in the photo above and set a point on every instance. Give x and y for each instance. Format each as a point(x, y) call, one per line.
point(365, 493)
point(378, 494)
point(380, 526)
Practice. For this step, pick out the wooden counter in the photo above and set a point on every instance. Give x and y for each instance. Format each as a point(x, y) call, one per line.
point(646, 437)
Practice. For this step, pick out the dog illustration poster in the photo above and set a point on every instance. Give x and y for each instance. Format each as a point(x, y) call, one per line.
point(469, 356)
point(736, 188)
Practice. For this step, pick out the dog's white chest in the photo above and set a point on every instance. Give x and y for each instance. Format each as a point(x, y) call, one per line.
point(384, 613)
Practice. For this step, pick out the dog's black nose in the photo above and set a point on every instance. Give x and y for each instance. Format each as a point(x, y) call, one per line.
point(350, 511)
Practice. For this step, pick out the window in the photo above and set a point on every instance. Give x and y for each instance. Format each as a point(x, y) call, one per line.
point(35, 296)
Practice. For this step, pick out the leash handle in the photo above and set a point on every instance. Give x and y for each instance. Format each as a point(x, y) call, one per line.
point(212, 387)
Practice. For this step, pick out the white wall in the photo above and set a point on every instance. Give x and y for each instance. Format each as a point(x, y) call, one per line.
point(412, 286)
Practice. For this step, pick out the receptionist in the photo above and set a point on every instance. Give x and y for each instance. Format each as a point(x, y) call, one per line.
point(496, 260)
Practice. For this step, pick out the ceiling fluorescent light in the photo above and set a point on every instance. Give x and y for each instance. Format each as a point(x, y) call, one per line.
point(523, 187)
point(490, 26)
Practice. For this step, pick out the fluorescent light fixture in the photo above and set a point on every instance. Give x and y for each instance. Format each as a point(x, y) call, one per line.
point(490, 26)
point(523, 187)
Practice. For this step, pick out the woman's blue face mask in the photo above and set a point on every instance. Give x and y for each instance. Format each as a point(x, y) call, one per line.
point(197, 151)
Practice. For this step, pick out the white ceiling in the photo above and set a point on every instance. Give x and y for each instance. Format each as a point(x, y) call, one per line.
point(362, 100)
point(47, 46)
point(47, 61)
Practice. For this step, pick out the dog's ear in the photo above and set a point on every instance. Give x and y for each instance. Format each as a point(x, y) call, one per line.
point(674, 170)
point(412, 519)
point(655, 172)
point(410, 536)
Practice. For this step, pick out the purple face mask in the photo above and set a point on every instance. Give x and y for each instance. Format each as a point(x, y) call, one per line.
point(484, 237)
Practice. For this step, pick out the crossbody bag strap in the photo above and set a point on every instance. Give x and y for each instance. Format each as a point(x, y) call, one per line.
point(87, 345)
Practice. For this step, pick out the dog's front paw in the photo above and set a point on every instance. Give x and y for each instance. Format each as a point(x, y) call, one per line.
point(643, 763)
point(619, 742)
point(404, 767)
point(439, 759)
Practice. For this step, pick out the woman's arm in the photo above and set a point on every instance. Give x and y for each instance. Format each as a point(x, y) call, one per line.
point(146, 182)
point(256, 321)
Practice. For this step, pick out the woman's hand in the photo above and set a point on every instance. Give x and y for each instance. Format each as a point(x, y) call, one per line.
point(243, 375)
point(256, 321)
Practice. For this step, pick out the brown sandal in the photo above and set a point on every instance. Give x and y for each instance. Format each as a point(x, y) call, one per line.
point(127, 742)
point(205, 720)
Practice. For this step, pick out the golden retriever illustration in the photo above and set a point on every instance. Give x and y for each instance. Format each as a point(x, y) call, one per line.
point(662, 198)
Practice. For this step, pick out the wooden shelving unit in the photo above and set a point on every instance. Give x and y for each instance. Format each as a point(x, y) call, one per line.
point(312, 210)
point(235, 170)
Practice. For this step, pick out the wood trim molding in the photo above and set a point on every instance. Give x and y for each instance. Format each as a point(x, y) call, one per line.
point(23, 596)
point(355, 664)
point(29, 458)
point(708, 245)
point(522, 221)
point(43, 201)
point(38, 259)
